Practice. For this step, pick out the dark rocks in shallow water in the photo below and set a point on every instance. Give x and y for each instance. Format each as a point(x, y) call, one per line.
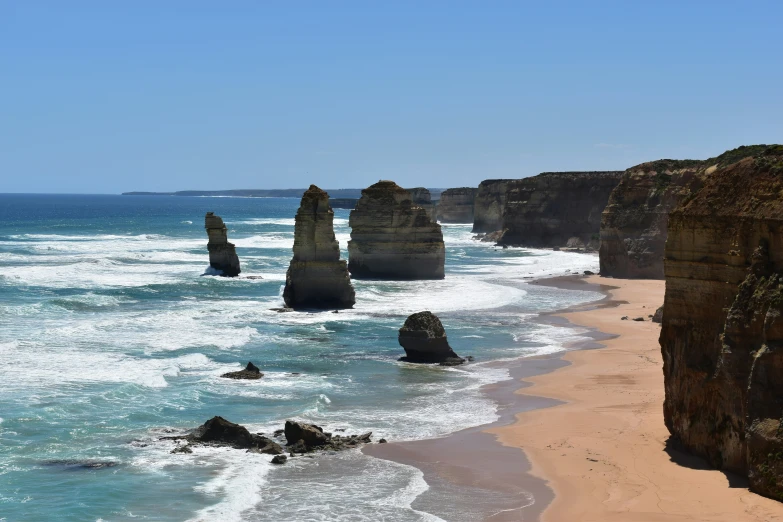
point(382, 441)
point(279, 459)
point(589, 272)
point(78, 464)
point(311, 434)
point(220, 432)
point(222, 254)
point(424, 340)
point(182, 449)
point(251, 371)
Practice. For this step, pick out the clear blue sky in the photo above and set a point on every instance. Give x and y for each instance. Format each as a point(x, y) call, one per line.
point(110, 96)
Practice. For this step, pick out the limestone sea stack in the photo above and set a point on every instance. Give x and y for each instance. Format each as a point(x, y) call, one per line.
point(392, 238)
point(489, 205)
point(634, 223)
point(722, 325)
point(222, 254)
point(317, 277)
point(557, 209)
point(456, 205)
point(421, 197)
point(424, 340)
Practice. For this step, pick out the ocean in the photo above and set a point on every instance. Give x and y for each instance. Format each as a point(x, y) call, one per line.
point(113, 334)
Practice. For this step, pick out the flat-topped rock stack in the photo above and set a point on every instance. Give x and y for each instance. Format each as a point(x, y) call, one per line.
point(489, 205)
point(557, 209)
point(422, 198)
point(456, 205)
point(317, 277)
point(222, 254)
point(392, 238)
point(722, 325)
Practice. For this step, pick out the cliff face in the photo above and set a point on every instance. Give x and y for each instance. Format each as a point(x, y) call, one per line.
point(222, 254)
point(489, 205)
point(722, 335)
point(391, 238)
point(317, 277)
point(421, 197)
point(633, 226)
point(456, 205)
point(557, 209)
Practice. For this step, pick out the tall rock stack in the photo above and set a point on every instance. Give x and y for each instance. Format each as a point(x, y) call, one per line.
point(456, 205)
point(317, 277)
point(489, 205)
point(392, 238)
point(422, 198)
point(722, 332)
point(222, 254)
point(557, 209)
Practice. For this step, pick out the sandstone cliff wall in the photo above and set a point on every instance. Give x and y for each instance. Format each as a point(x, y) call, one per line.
point(721, 333)
point(222, 254)
point(456, 205)
point(422, 198)
point(317, 277)
point(489, 205)
point(392, 238)
point(557, 209)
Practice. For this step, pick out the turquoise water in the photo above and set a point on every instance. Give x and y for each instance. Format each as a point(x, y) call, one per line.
point(111, 336)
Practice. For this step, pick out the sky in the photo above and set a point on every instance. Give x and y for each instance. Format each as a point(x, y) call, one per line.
point(106, 97)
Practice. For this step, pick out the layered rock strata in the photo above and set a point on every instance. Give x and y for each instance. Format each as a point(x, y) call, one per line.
point(392, 238)
point(456, 205)
point(489, 205)
point(222, 254)
point(557, 209)
point(317, 277)
point(634, 223)
point(424, 340)
point(421, 197)
point(722, 334)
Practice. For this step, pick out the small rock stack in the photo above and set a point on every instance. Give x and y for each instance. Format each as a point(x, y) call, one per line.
point(317, 277)
point(393, 238)
point(222, 254)
point(424, 340)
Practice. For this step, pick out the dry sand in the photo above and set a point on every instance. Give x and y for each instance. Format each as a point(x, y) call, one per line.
point(604, 451)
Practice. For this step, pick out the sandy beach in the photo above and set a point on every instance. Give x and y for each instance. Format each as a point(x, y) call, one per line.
point(604, 450)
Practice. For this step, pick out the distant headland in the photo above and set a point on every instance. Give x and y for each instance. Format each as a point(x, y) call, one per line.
point(349, 193)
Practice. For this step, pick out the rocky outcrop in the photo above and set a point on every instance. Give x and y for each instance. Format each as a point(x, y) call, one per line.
point(421, 197)
point(217, 431)
point(456, 205)
point(392, 238)
point(722, 335)
point(424, 340)
point(222, 254)
point(634, 223)
point(317, 277)
point(251, 372)
point(489, 205)
point(557, 209)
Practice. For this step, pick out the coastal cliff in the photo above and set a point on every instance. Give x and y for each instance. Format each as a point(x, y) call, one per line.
point(317, 277)
point(392, 238)
point(456, 205)
point(489, 205)
point(722, 335)
point(557, 209)
point(222, 254)
point(423, 198)
point(633, 225)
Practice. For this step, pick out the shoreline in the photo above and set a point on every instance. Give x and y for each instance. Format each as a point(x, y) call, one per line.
point(495, 479)
point(604, 449)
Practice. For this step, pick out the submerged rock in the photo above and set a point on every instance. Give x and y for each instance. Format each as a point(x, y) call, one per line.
point(251, 371)
point(424, 340)
point(317, 277)
point(222, 254)
point(393, 238)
